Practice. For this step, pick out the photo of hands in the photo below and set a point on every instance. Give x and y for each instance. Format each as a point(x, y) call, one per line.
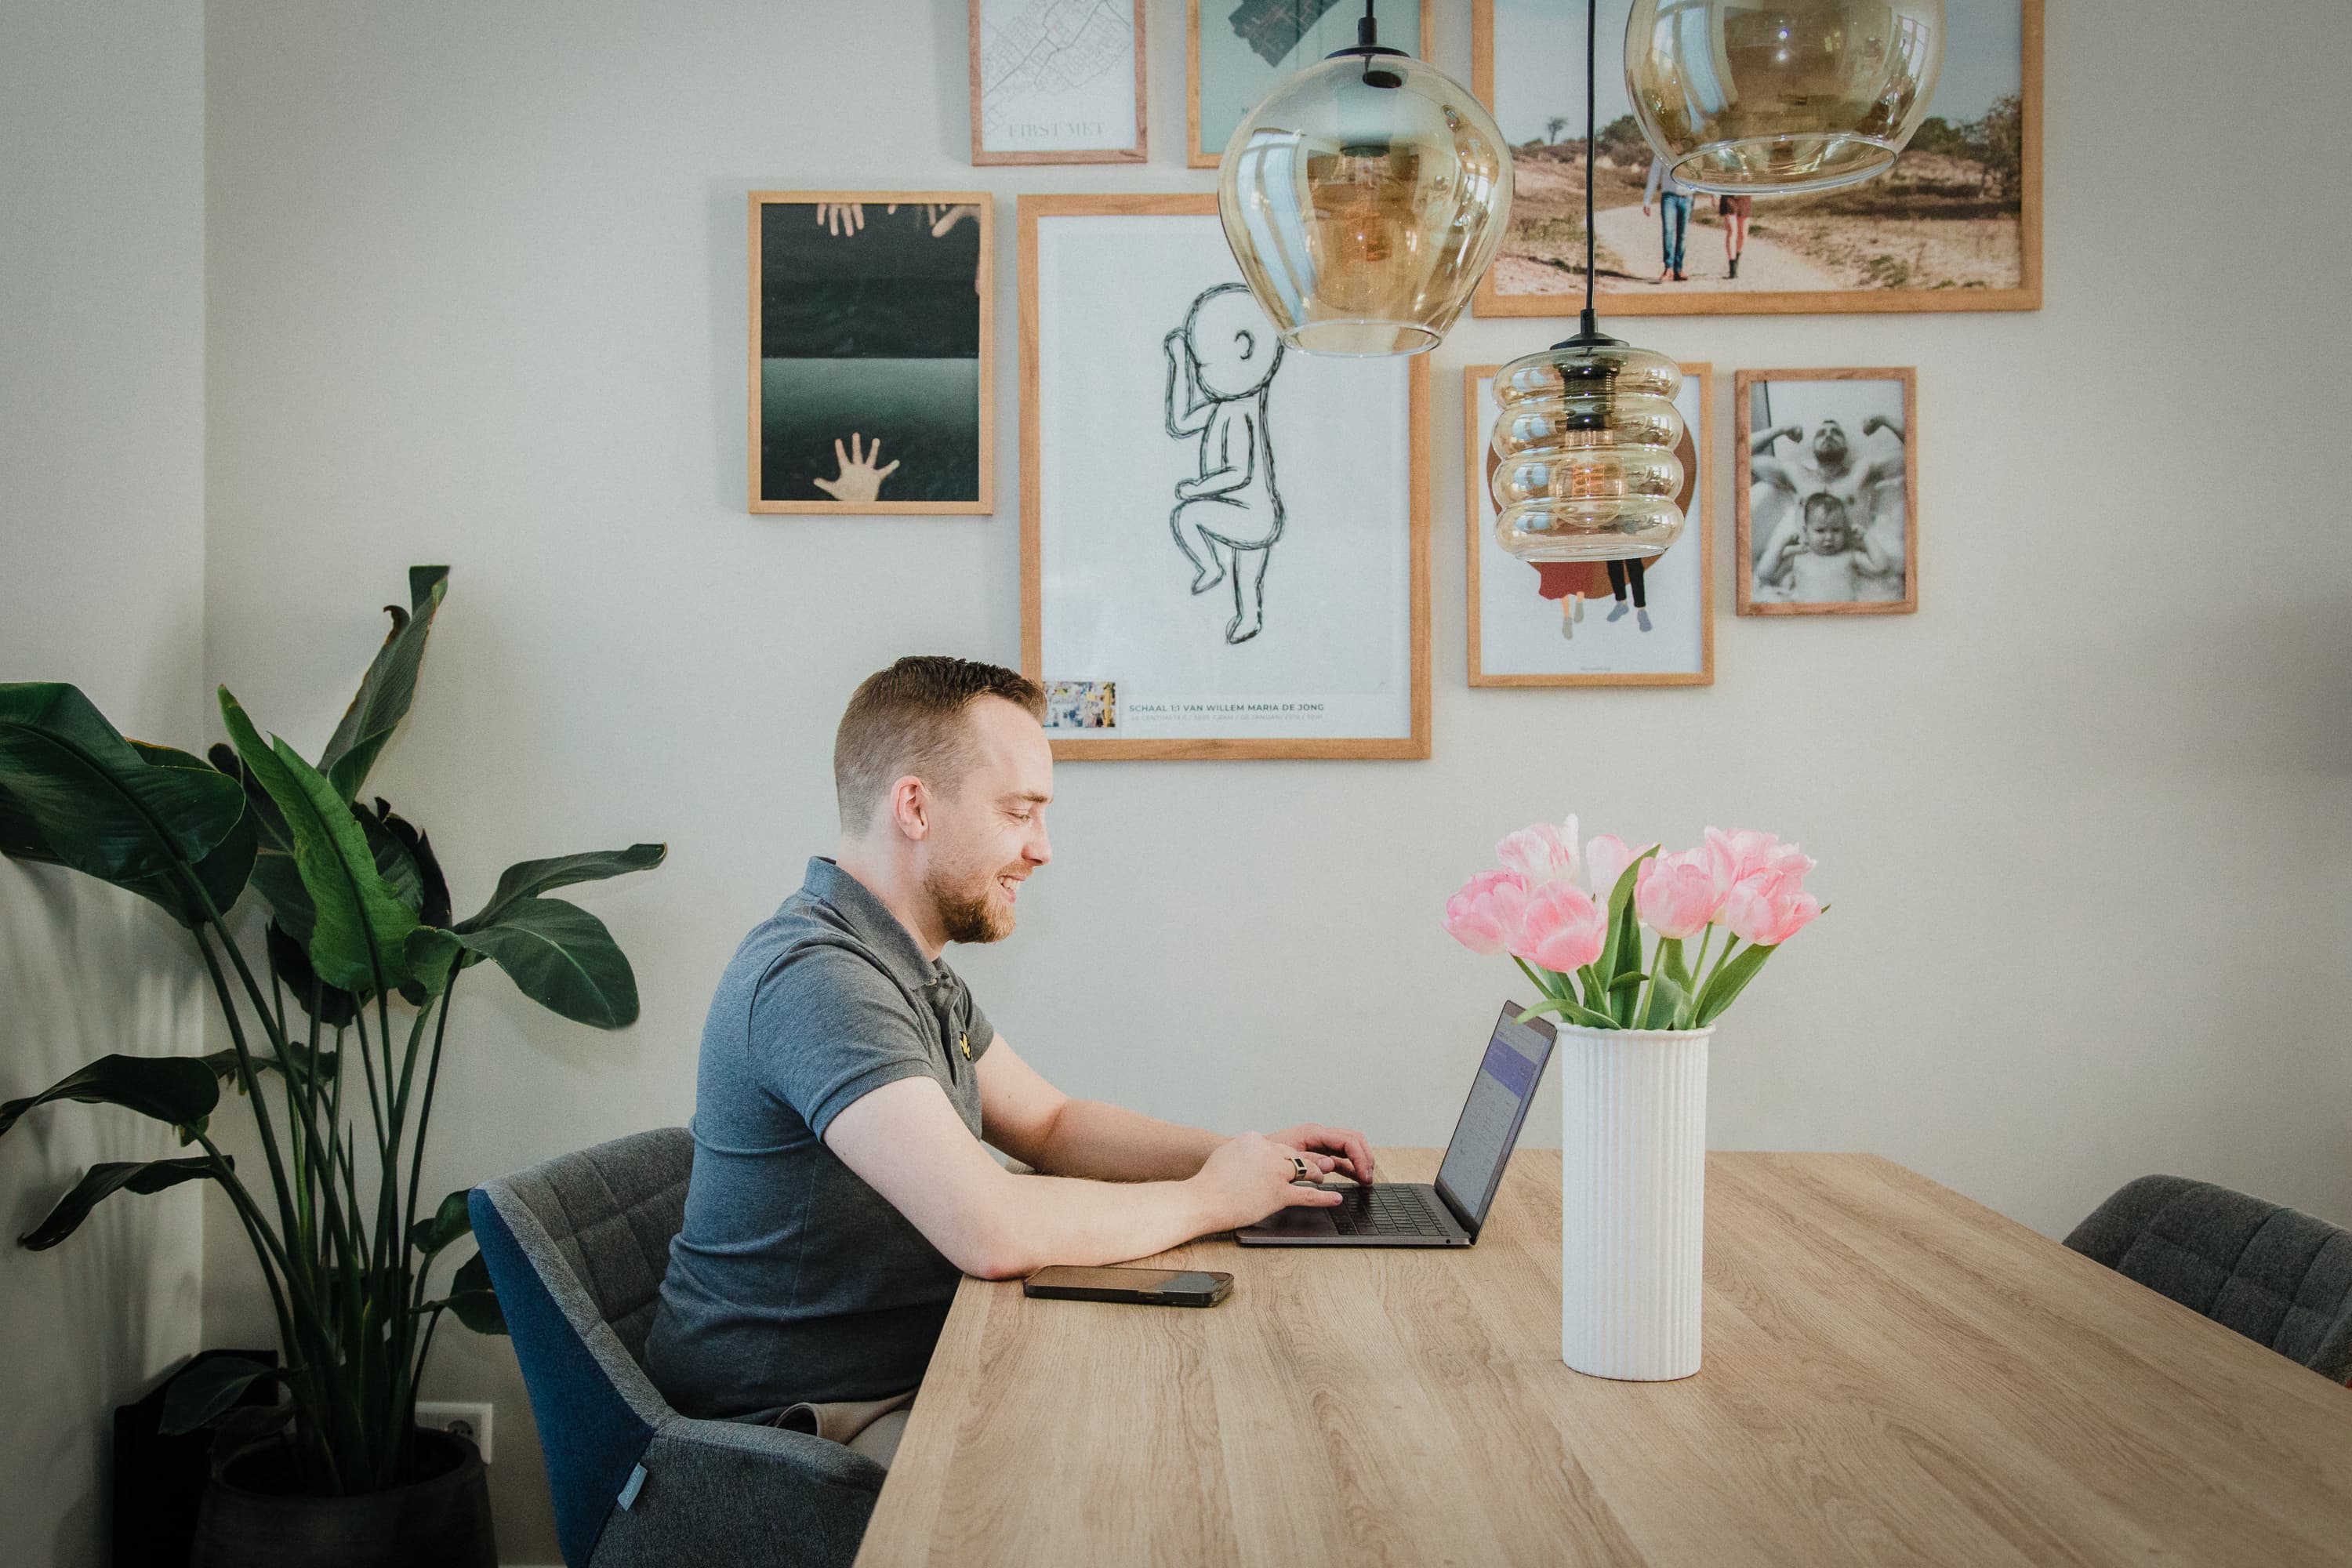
point(869, 353)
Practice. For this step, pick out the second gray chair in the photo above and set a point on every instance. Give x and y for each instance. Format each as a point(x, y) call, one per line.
point(2280, 1278)
point(577, 1247)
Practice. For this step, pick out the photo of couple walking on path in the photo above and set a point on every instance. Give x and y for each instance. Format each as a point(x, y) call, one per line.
point(1947, 227)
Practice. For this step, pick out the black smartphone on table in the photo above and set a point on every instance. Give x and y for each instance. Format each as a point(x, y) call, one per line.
point(1146, 1287)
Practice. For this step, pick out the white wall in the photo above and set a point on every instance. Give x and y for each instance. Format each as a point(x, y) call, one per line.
point(101, 583)
point(478, 297)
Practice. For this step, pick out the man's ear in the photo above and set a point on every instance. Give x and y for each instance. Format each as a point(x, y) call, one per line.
point(909, 803)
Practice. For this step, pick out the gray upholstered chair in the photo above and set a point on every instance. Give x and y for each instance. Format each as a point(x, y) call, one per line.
point(2280, 1278)
point(576, 1248)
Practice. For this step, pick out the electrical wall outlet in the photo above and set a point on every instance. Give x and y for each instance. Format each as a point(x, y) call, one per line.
point(460, 1417)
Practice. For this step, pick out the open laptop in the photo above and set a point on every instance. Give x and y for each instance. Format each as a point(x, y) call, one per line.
point(1449, 1211)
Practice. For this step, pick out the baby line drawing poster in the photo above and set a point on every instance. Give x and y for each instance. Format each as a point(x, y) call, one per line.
point(1223, 541)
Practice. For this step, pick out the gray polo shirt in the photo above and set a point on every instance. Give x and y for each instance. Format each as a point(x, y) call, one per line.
point(792, 1279)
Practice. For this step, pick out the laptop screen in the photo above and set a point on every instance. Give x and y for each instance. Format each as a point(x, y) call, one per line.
point(1513, 1063)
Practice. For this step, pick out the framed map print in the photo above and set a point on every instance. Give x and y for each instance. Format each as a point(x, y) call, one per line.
point(1058, 81)
point(1223, 544)
point(1238, 51)
point(1593, 623)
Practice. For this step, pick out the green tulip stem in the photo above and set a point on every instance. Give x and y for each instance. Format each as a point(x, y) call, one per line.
point(1730, 947)
point(1699, 964)
point(1536, 980)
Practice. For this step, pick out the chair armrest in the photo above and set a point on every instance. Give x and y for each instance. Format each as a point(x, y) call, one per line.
point(833, 1464)
point(726, 1491)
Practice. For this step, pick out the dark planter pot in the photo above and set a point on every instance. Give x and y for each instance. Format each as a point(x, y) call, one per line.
point(442, 1521)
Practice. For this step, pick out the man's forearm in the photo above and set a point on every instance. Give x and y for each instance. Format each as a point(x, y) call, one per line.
point(1052, 1220)
point(1111, 1143)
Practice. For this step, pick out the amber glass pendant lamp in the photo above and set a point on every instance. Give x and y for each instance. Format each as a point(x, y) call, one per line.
point(1363, 199)
point(1747, 96)
point(1585, 431)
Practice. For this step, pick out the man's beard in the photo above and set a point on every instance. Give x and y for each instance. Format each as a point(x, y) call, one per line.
point(967, 913)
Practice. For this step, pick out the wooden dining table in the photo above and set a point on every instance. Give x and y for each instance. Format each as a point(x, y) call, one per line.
point(1892, 1374)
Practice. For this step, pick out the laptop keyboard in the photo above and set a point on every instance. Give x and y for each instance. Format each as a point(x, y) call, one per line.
point(1385, 1210)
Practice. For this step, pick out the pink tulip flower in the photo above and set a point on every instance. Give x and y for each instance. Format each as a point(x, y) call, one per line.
point(1484, 915)
point(1733, 858)
point(1541, 854)
point(1561, 929)
point(1606, 857)
point(1675, 894)
point(1770, 907)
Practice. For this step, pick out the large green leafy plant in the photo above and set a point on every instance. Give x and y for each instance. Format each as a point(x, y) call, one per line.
point(358, 960)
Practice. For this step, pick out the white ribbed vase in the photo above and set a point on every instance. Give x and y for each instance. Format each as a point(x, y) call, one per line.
point(1633, 1185)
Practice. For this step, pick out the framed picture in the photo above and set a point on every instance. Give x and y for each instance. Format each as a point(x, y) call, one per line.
point(1955, 226)
point(1593, 623)
point(1242, 49)
point(1058, 81)
point(1223, 544)
point(870, 356)
point(1828, 505)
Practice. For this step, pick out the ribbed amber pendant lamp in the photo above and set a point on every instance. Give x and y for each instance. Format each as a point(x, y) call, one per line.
point(1364, 198)
point(1585, 432)
point(1750, 96)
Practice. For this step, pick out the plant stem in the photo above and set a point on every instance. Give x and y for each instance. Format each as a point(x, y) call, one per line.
point(241, 1203)
point(246, 1075)
point(1525, 968)
point(425, 1115)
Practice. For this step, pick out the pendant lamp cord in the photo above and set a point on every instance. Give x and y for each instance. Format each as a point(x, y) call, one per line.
point(1588, 326)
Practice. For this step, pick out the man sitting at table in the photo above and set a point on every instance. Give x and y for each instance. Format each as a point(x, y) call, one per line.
point(848, 1081)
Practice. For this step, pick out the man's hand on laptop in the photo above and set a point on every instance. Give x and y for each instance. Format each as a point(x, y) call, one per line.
point(1342, 1148)
point(1251, 1175)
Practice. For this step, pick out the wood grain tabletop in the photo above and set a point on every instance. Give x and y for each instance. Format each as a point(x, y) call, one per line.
point(1893, 1374)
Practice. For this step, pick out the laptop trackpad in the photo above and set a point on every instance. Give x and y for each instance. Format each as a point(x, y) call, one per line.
point(1298, 1222)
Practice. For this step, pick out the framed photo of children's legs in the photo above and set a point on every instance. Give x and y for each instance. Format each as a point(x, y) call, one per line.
point(1238, 51)
point(870, 351)
point(1058, 81)
point(1225, 545)
point(1593, 623)
point(1827, 495)
point(1956, 225)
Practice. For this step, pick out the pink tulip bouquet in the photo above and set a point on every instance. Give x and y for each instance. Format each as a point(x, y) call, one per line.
point(1574, 923)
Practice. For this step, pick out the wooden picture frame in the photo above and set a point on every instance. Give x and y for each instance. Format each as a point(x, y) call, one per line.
point(940, 214)
point(1743, 565)
point(1194, 155)
point(2025, 295)
point(982, 156)
point(1036, 352)
point(1698, 536)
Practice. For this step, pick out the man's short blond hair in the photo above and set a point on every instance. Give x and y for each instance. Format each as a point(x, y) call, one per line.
point(912, 717)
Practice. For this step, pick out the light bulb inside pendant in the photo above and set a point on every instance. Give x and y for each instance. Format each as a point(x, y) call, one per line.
point(1363, 199)
point(1584, 464)
point(1743, 96)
